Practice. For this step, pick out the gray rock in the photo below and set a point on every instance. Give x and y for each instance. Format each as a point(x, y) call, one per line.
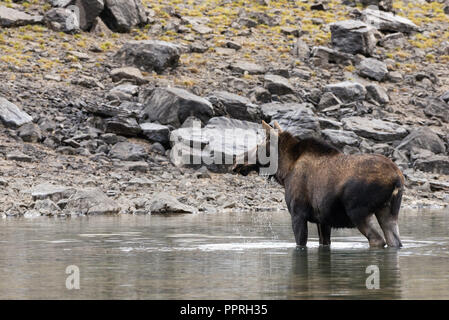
point(30, 132)
point(300, 122)
point(277, 110)
point(173, 106)
point(352, 36)
point(89, 11)
point(91, 201)
point(438, 164)
point(328, 99)
point(13, 18)
point(445, 97)
point(122, 15)
point(301, 49)
point(341, 138)
point(423, 138)
point(149, 55)
point(375, 129)
point(247, 67)
point(385, 5)
point(377, 93)
point(373, 69)
point(156, 132)
point(127, 127)
point(18, 156)
point(163, 203)
point(437, 108)
point(128, 73)
point(62, 19)
point(386, 21)
point(47, 207)
point(347, 91)
point(50, 191)
point(325, 55)
point(277, 85)
point(127, 151)
point(11, 115)
point(234, 106)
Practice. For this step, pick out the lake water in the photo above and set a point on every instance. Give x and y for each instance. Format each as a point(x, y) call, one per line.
point(217, 256)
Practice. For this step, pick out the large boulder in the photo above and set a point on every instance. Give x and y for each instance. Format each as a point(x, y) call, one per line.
point(89, 10)
point(300, 122)
point(353, 36)
point(13, 18)
point(278, 85)
point(216, 145)
point(156, 132)
point(386, 21)
point(423, 138)
point(173, 106)
point(149, 55)
point(11, 115)
point(122, 15)
point(275, 110)
point(347, 91)
point(375, 129)
point(437, 108)
point(62, 19)
point(235, 106)
point(91, 201)
point(373, 69)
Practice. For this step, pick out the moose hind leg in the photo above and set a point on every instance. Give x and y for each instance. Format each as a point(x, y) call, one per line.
point(324, 232)
point(367, 227)
point(389, 224)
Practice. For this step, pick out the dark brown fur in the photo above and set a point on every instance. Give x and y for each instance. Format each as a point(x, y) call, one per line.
point(334, 190)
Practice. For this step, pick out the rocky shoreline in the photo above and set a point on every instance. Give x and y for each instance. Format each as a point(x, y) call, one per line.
point(92, 106)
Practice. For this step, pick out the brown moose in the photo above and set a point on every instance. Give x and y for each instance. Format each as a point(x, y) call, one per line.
point(332, 189)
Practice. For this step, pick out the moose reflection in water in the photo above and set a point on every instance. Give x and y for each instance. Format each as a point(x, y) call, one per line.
point(333, 190)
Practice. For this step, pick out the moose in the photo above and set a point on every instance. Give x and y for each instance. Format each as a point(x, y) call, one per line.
point(331, 189)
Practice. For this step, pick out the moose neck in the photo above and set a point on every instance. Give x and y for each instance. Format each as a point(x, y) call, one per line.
point(288, 153)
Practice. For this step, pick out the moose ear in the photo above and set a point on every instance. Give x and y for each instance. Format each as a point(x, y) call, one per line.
point(266, 126)
point(277, 126)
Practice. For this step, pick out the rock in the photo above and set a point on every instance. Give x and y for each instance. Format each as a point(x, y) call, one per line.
point(60, 3)
point(328, 99)
point(123, 92)
point(385, 5)
point(61, 19)
point(318, 6)
point(341, 138)
point(277, 110)
point(437, 164)
point(247, 67)
point(347, 91)
point(149, 55)
point(18, 156)
point(128, 151)
point(445, 97)
point(352, 36)
point(301, 49)
point(47, 207)
point(377, 93)
point(91, 201)
point(375, 129)
point(87, 82)
point(137, 166)
point(437, 108)
point(127, 127)
point(156, 132)
point(52, 192)
point(386, 21)
point(373, 69)
point(290, 31)
point(300, 121)
point(234, 106)
point(423, 138)
point(277, 85)
point(128, 73)
point(163, 203)
point(14, 18)
point(11, 115)
point(122, 15)
point(30, 132)
point(214, 146)
point(323, 56)
point(172, 106)
point(395, 76)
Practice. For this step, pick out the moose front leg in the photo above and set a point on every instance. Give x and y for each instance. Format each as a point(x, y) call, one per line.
point(324, 232)
point(300, 230)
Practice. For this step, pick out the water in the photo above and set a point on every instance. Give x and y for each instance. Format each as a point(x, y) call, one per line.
point(219, 256)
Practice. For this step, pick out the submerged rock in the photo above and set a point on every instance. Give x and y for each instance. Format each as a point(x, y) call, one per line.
point(163, 203)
